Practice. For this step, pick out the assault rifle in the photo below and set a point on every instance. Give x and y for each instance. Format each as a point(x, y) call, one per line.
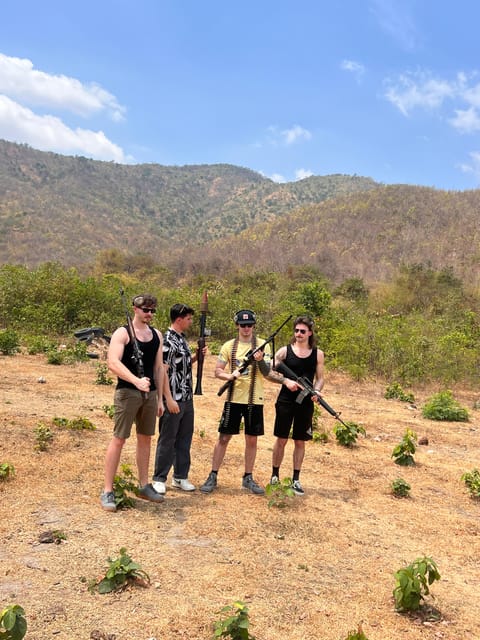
point(249, 358)
point(137, 355)
point(307, 390)
point(201, 343)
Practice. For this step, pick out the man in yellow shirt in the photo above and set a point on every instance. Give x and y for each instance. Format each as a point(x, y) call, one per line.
point(244, 399)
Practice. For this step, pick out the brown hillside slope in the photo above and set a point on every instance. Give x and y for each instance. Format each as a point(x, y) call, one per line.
point(312, 570)
point(365, 235)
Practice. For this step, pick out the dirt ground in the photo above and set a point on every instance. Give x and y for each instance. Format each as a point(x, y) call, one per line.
point(313, 570)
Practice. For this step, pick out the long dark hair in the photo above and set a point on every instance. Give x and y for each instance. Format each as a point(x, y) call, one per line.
point(307, 321)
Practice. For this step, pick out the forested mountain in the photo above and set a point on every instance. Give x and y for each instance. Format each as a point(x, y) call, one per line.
point(218, 218)
point(55, 207)
point(365, 235)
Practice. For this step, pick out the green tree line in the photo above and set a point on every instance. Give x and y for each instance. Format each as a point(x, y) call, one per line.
point(421, 327)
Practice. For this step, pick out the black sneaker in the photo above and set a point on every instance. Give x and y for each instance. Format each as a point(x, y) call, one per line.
point(210, 483)
point(147, 492)
point(297, 488)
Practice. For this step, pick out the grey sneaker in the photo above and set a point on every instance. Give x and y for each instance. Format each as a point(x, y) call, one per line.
point(147, 492)
point(107, 500)
point(210, 483)
point(249, 484)
point(297, 488)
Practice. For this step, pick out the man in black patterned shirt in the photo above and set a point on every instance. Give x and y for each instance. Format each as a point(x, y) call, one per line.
point(176, 424)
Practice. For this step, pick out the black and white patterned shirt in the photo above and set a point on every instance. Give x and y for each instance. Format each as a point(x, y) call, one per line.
point(178, 358)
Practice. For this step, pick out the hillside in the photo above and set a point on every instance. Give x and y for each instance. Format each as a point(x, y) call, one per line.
point(366, 235)
point(55, 207)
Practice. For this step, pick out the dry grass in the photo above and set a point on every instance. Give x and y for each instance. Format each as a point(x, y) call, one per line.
point(311, 571)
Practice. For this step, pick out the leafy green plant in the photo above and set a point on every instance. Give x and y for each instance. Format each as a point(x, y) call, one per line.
point(13, 625)
point(347, 433)
point(102, 375)
point(122, 483)
point(280, 493)
point(109, 409)
point(357, 635)
point(38, 344)
point(400, 488)
point(9, 342)
point(395, 391)
point(236, 623)
point(443, 406)
point(319, 436)
point(413, 582)
point(7, 471)
point(472, 480)
point(54, 356)
point(121, 573)
point(76, 424)
point(43, 436)
point(403, 452)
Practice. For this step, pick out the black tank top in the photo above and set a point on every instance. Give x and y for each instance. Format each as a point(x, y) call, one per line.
point(149, 353)
point(303, 367)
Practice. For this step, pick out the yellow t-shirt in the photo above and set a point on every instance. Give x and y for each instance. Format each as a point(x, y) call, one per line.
point(241, 387)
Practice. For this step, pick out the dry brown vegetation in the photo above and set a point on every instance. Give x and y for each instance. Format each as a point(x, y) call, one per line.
point(313, 570)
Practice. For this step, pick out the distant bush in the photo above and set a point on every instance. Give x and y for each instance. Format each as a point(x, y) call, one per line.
point(9, 342)
point(395, 391)
point(472, 481)
point(443, 406)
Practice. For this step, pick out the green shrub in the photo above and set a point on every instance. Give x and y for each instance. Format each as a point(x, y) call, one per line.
point(38, 344)
point(357, 635)
point(403, 452)
point(347, 433)
point(13, 625)
point(395, 391)
point(9, 342)
point(121, 573)
point(102, 375)
point(412, 583)
point(43, 436)
point(236, 623)
point(443, 406)
point(280, 493)
point(400, 488)
point(109, 409)
point(472, 480)
point(76, 424)
point(122, 483)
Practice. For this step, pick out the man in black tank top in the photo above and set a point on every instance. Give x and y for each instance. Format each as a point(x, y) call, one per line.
point(305, 360)
point(137, 399)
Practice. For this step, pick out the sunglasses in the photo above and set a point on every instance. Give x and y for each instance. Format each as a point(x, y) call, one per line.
point(247, 325)
point(146, 310)
point(302, 331)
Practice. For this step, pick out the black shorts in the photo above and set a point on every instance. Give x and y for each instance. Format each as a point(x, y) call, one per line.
point(232, 415)
point(300, 415)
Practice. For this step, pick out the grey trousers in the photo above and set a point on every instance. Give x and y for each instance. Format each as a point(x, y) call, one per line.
point(174, 442)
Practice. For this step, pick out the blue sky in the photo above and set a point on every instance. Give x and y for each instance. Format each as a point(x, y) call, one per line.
point(388, 89)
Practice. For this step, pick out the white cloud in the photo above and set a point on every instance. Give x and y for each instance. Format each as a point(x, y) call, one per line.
point(353, 67)
point(420, 90)
point(474, 166)
point(286, 137)
point(20, 81)
point(466, 121)
point(277, 177)
point(49, 133)
point(301, 174)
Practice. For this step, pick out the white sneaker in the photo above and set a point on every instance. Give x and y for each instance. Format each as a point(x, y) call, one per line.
point(183, 483)
point(160, 487)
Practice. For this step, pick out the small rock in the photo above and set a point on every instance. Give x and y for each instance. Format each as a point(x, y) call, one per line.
point(42, 380)
point(423, 440)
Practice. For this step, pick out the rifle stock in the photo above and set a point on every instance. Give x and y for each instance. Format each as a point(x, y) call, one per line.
point(307, 390)
point(249, 358)
point(137, 354)
point(201, 343)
